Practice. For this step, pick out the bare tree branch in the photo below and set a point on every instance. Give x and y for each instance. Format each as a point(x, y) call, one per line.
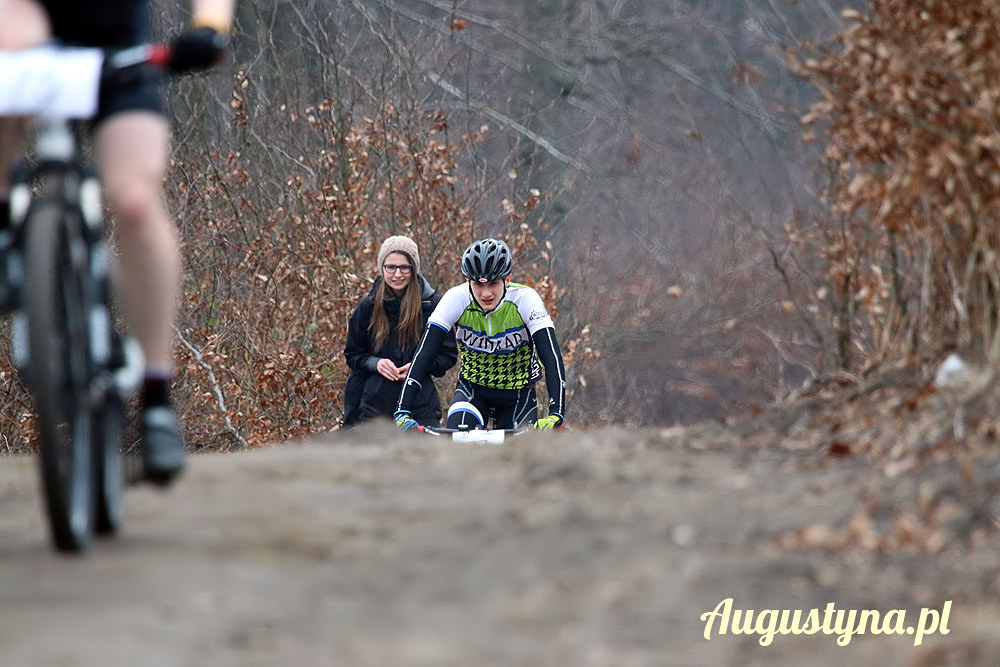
point(216, 389)
point(768, 121)
point(510, 122)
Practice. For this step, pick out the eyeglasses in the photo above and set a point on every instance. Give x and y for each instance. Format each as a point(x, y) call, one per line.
point(402, 268)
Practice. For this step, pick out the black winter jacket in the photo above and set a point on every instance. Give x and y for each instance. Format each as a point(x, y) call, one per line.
point(368, 394)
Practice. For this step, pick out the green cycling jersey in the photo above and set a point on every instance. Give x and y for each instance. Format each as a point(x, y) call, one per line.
point(495, 347)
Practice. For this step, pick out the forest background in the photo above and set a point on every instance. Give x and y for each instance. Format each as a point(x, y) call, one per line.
point(719, 199)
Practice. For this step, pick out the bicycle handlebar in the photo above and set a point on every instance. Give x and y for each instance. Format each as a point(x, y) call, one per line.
point(157, 54)
point(437, 430)
point(62, 81)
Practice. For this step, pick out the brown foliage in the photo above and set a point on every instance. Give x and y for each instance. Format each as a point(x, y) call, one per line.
point(909, 108)
point(933, 453)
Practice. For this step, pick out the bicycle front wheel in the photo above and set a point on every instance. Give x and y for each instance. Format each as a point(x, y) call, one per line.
point(58, 292)
point(108, 425)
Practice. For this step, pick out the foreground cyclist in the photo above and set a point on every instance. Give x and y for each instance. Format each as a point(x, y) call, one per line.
point(499, 326)
point(131, 144)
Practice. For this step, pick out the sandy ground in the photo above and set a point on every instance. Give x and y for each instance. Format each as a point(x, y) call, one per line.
point(594, 548)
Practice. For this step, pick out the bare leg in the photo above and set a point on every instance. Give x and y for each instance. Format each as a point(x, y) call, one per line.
point(23, 23)
point(132, 153)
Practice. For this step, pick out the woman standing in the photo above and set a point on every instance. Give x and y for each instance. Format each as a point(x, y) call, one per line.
point(382, 336)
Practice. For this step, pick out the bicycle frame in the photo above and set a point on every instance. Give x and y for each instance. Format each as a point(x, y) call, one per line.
point(79, 371)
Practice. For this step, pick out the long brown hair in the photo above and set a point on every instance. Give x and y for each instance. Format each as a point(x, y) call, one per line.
point(411, 315)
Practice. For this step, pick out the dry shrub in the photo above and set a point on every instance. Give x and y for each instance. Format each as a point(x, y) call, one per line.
point(909, 109)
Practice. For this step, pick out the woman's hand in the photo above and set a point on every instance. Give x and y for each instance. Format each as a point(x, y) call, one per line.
point(390, 371)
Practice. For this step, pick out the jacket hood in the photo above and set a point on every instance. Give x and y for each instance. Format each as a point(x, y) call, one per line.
point(426, 291)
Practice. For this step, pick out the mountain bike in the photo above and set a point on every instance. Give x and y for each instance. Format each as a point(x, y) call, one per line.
point(79, 370)
point(481, 436)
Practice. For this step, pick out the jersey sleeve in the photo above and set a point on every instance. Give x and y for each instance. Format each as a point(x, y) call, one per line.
point(426, 350)
point(532, 310)
point(451, 307)
point(555, 373)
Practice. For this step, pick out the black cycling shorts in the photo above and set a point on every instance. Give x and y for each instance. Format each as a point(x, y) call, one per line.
point(110, 24)
point(507, 408)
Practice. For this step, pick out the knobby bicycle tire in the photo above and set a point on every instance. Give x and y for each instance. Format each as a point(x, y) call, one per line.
point(109, 422)
point(57, 295)
point(109, 356)
point(109, 427)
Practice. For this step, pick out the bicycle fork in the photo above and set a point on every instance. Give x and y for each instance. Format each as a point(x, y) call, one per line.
point(77, 189)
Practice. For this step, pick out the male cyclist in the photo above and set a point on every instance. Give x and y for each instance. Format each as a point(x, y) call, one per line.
point(499, 326)
point(131, 145)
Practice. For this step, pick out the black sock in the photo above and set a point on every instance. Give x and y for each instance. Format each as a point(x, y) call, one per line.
point(4, 212)
point(155, 392)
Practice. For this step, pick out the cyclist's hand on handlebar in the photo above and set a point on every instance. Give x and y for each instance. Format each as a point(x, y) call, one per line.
point(548, 423)
point(197, 49)
point(404, 421)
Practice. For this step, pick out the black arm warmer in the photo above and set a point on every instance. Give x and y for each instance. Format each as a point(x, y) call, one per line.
point(446, 357)
point(422, 359)
point(555, 373)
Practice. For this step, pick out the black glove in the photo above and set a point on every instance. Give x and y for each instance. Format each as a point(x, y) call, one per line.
point(197, 49)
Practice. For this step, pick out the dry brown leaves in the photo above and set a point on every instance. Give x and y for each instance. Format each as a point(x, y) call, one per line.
point(909, 108)
point(925, 461)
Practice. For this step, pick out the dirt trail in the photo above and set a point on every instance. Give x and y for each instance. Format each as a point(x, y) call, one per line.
point(373, 548)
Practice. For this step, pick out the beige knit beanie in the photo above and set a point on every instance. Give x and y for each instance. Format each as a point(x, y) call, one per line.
point(399, 244)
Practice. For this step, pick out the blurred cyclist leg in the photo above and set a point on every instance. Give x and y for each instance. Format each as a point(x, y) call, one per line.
point(23, 23)
point(132, 149)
